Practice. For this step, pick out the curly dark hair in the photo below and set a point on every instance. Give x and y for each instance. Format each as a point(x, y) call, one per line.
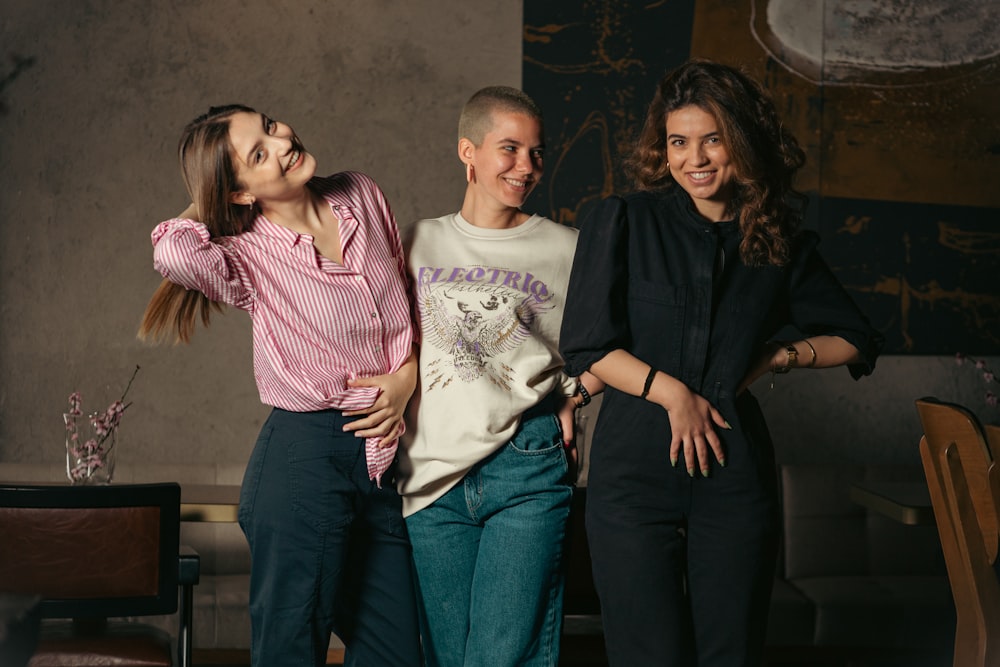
point(765, 155)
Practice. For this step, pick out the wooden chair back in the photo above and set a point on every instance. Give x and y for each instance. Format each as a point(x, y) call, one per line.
point(964, 483)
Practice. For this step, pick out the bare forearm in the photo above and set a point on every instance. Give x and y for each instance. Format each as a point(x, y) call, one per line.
point(624, 372)
point(811, 352)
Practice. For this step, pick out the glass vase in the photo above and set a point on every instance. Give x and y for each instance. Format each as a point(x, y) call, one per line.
point(90, 449)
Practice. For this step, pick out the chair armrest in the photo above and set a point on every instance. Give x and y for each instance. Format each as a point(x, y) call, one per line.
point(188, 566)
point(188, 575)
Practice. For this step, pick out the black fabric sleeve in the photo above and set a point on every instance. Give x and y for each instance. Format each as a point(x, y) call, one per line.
point(819, 305)
point(595, 320)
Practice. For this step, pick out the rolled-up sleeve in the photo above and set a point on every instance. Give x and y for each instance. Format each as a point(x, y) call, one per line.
point(819, 305)
point(184, 253)
point(595, 321)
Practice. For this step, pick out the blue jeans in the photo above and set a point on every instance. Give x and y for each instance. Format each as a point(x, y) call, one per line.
point(329, 551)
point(488, 556)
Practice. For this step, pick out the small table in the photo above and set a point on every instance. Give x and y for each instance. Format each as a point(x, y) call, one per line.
point(210, 503)
point(906, 502)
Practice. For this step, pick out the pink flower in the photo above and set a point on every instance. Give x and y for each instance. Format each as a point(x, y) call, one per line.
point(988, 376)
point(91, 454)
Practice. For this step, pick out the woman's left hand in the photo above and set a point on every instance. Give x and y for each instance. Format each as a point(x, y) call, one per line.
point(693, 420)
point(567, 421)
point(385, 416)
point(762, 364)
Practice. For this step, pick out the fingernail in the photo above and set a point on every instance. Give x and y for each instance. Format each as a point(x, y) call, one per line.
point(691, 472)
point(673, 461)
point(704, 472)
point(728, 426)
point(722, 463)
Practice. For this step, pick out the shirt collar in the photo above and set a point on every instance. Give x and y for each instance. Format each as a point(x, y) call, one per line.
point(341, 207)
point(691, 216)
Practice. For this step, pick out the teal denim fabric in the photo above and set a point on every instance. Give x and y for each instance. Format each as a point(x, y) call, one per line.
point(488, 556)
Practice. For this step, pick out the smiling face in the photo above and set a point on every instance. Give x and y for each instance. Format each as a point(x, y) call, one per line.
point(699, 160)
point(271, 163)
point(508, 163)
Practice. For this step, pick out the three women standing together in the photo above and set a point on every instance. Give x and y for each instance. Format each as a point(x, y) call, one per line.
point(674, 301)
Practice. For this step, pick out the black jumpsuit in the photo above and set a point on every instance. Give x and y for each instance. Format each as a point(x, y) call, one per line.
point(653, 277)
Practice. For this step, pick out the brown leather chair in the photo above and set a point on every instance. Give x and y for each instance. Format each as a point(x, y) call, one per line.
point(96, 553)
point(963, 478)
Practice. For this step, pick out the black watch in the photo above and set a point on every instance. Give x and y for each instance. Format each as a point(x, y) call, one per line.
point(584, 393)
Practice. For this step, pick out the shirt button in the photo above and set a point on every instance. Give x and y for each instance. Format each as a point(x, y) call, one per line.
point(374, 316)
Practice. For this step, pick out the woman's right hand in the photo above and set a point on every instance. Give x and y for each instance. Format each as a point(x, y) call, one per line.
point(693, 421)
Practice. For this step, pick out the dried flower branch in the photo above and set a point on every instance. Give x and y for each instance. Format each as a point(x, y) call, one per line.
point(84, 458)
point(988, 377)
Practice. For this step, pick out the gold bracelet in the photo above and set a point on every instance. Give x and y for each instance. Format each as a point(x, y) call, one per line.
point(812, 361)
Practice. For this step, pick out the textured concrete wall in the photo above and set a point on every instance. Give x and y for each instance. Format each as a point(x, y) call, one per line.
point(87, 161)
point(87, 164)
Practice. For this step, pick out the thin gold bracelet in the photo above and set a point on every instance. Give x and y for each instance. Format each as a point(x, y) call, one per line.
point(812, 362)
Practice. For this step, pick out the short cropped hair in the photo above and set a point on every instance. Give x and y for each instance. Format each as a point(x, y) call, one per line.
point(477, 114)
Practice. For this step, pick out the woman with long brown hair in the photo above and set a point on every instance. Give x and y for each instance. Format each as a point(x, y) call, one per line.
point(317, 264)
point(678, 297)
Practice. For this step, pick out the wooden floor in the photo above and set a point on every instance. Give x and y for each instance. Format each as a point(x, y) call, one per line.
point(588, 651)
point(583, 652)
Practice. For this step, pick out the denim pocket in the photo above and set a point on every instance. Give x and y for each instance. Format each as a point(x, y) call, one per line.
point(538, 435)
point(319, 482)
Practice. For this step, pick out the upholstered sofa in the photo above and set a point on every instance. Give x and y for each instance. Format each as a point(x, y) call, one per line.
point(852, 580)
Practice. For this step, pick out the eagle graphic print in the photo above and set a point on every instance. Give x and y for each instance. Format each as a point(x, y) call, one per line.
point(474, 315)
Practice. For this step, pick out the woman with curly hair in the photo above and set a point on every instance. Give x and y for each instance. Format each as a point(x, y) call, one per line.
point(682, 295)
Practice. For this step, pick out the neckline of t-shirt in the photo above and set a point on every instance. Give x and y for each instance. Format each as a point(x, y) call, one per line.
point(470, 229)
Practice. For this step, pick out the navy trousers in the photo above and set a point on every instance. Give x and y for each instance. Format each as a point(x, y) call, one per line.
point(329, 549)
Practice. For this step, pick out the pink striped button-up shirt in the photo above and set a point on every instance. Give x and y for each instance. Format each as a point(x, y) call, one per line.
point(316, 323)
